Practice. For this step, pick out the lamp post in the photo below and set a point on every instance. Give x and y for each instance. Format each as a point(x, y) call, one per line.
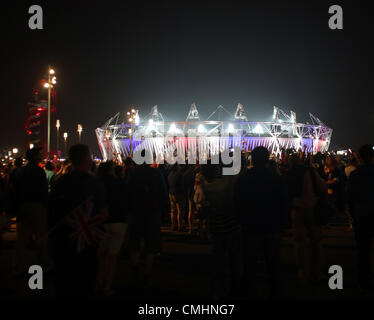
point(58, 129)
point(80, 129)
point(49, 86)
point(65, 138)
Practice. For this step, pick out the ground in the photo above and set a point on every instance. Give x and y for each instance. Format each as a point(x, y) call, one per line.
point(183, 271)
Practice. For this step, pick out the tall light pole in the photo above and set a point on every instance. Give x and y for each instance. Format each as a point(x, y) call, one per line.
point(65, 137)
point(80, 129)
point(49, 85)
point(132, 118)
point(58, 140)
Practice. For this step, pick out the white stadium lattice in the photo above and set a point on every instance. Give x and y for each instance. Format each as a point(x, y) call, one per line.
point(118, 136)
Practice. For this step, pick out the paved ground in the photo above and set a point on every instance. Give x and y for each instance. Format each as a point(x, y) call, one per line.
point(183, 270)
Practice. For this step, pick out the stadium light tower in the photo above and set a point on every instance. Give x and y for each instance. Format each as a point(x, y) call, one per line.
point(65, 138)
point(58, 130)
point(49, 85)
point(79, 130)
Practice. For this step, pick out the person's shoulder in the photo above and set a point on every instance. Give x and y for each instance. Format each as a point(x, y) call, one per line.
point(355, 173)
point(37, 170)
point(363, 170)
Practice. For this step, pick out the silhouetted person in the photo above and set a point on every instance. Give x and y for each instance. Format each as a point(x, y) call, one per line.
point(218, 191)
point(115, 226)
point(335, 186)
point(50, 174)
point(177, 199)
point(31, 189)
point(306, 188)
point(188, 180)
point(18, 163)
point(261, 208)
point(78, 210)
point(11, 203)
point(361, 195)
point(148, 203)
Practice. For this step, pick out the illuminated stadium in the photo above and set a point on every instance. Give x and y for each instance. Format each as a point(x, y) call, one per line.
point(124, 134)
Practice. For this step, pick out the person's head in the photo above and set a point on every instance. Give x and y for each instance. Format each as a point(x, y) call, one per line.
point(93, 167)
point(273, 167)
point(210, 171)
point(366, 154)
point(260, 156)
point(105, 169)
point(49, 166)
point(80, 158)
point(129, 163)
point(331, 162)
point(175, 167)
point(294, 160)
point(18, 162)
point(118, 171)
point(58, 165)
point(353, 161)
point(34, 155)
point(66, 163)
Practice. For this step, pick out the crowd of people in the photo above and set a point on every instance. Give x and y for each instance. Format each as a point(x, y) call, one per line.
point(82, 213)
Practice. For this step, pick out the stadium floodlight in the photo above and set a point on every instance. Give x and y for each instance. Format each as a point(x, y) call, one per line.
point(200, 128)
point(150, 126)
point(258, 129)
point(173, 128)
point(137, 119)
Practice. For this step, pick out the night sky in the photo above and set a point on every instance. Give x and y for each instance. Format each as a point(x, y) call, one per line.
point(111, 55)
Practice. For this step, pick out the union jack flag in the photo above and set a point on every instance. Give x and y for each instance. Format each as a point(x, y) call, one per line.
point(85, 225)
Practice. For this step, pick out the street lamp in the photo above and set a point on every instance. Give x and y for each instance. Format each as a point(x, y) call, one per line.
point(80, 129)
point(49, 86)
point(15, 150)
point(58, 129)
point(65, 138)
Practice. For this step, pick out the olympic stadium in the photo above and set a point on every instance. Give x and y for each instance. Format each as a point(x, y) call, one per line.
point(122, 134)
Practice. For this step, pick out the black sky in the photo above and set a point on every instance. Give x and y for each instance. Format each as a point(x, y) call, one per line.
point(110, 55)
